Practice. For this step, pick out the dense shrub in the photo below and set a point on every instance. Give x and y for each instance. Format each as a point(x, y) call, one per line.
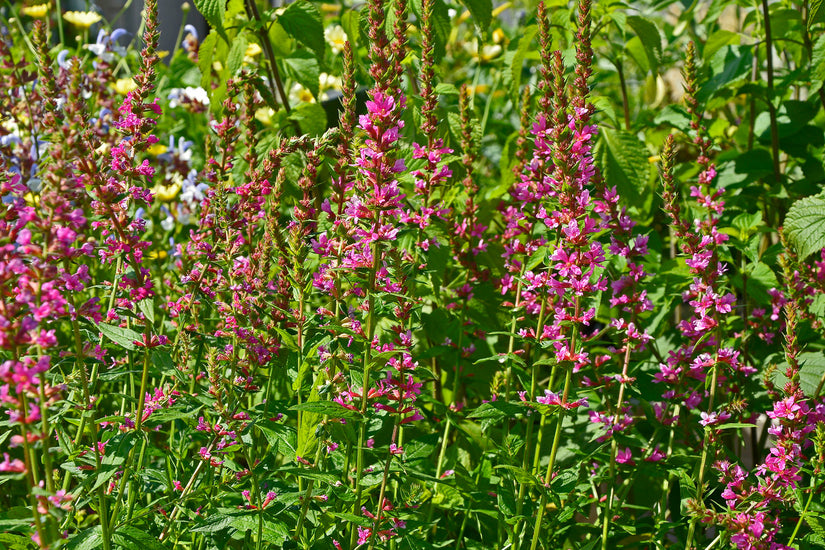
point(407, 276)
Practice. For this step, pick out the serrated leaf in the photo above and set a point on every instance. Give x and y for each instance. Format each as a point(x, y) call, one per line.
point(205, 53)
point(523, 477)
point(123, 337)
point(278, 434)
point(623, 159)
point(445, 88)
point(236, 54)
point(804, 225)
point(213, 11)
point(302, 21)
point(818, 58)
point(482, 12)
point(817, 523)
point(817, 307)
point(649, 35)
point(811, 369)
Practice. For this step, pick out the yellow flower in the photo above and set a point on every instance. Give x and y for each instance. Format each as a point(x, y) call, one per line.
point(37, 11)
point(32, 200)
point(166, 193)
point(498, 36)
point(82, 19)
point(162, 53)
point(252, 50)
point(125, 85)
point(156, 254)
point(336, 37)
point(157, 149)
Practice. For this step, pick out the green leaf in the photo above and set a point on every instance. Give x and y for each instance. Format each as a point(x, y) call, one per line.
point(815, 15)
point(729, 64)
point(637, 52)
point(517, 62)
point(131, 537)
point(236, 54)
point(304, 68)
point(88, 539)
point(205, 53)
point(717, 40)
point(123, 337)
point(350, 21)
point(817, 307)
point(302, 21)
point(623, 160)
point(816, 521)
point(282, 44)
point(757, 280)
point(811, 369)
point(650, 37)
point(213, 11)
point(147, 308)
point(520, 475)
point(12, 518)
point(482, 12)
point(804, 225)
point(278, 434)
point(311, 117)
point(329, 408)
point(733, 426)
point(445, 88)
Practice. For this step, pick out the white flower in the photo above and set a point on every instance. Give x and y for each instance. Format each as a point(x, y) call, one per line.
point(329, 82)
point(336, 37)
point(179, 96)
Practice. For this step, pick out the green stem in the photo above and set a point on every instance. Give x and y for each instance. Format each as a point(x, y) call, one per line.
point(703, 462)
point(771, 105)
point(377, 523)
point(804, 511)
point(362, 430)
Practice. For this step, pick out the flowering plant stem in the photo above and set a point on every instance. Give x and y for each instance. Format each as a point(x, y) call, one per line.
point(362, 428)
point(703, 462)
point(574, 337)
